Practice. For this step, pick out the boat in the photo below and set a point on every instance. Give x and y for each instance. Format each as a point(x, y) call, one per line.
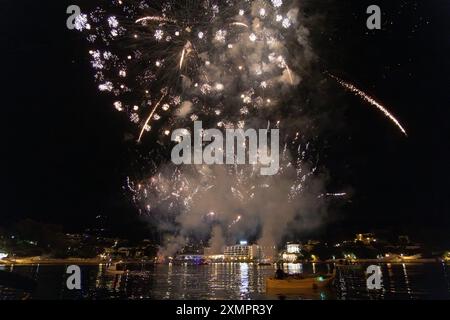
point(301, 282)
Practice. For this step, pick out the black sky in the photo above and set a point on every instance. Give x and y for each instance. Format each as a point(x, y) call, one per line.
point(65, 158)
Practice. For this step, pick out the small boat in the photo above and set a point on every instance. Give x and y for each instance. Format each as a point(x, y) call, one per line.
point(315, 281)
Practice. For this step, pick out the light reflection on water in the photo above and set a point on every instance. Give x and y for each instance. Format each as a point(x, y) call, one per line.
point(234, 281)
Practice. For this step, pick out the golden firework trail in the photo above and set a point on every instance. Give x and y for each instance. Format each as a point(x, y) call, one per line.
point(290, 74)
point(155, 18)
point(186, 50)
point(151, 116)
point(239, 24)
point(182, 58)
point(352, 88)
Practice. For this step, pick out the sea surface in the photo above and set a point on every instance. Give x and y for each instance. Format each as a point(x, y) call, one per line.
point(226, 281)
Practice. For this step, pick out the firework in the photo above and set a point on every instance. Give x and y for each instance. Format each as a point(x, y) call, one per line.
point(227, 64)
point(201, 197)
point(352, 88)
point(206, 53)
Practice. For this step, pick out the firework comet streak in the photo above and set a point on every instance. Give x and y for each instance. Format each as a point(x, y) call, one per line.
point(151, 115)
point(350, 87)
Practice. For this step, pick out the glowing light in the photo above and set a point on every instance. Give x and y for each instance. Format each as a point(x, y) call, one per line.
point(113, 23)
point(286, 23)
point(221, 35)
point(81, 23)
point(159, 34)
point(118, 106)
point(107, 86)
point(277, 3)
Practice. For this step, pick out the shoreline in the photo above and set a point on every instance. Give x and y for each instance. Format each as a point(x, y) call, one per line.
point(64, 262)
point(55, 262)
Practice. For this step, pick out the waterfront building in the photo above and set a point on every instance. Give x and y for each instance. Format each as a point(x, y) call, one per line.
point(293, 248)
point(289, 257)
point(365, 238)
point(246, 252)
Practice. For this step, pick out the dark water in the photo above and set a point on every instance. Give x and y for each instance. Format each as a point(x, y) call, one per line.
point(232, 281)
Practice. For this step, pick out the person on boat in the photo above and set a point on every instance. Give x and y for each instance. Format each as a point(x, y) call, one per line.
point(280, 274)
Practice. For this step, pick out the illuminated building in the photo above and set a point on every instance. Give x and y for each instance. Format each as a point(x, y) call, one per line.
point(289, 257)
point(366, 238)
point(246, 252)
point(240, 252)
point(293, 248)
point(292, 253)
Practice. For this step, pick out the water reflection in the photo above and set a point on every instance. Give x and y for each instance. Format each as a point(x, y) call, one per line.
point(244, 290)
point(293, 268)
point(405, 273)
point(236, 281)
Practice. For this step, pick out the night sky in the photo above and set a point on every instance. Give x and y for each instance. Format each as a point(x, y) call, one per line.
point(66, 156)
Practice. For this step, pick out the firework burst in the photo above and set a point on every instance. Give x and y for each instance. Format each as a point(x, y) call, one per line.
point(209, 55)
point(227, 64)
